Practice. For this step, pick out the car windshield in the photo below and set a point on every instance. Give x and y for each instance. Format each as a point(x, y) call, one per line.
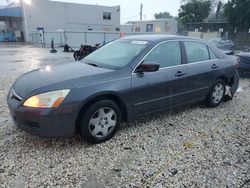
point(116, 54)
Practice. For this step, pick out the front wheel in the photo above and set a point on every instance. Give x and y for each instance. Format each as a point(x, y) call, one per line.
point(216, 94)
point(100, 121)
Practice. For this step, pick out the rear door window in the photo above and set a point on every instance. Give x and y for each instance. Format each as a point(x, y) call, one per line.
point(196, 52)
point(212, 55)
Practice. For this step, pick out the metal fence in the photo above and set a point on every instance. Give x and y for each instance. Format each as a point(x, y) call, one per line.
point(75, 38)
point(241, 39)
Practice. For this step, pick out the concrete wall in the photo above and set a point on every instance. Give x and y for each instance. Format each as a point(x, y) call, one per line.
point(53, 16)
point(241, 39)
point(205, 36)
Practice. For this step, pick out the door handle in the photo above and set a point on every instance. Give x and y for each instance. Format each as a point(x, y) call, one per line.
point(179, 74)
point(214, 66)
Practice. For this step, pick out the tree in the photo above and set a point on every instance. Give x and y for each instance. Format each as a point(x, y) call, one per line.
point(218, 10)
point(162, 15)
point(194, 11)
point(237, 12)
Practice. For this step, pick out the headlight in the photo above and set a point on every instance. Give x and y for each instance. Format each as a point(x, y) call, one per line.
point(47, 100)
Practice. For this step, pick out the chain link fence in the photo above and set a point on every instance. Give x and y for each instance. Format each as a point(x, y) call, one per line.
point(75, 38)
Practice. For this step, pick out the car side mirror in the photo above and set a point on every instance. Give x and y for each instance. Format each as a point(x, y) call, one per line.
point(148, 67)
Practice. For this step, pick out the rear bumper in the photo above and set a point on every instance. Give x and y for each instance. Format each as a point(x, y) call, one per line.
point(59, 122)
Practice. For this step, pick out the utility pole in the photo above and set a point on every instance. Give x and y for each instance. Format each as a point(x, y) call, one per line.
point(25, 21)
point(141, 12)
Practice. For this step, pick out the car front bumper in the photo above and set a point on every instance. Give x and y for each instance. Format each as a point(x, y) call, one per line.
point(57, 122)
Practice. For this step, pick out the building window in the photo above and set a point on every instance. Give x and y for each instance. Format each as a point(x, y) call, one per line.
point(167, 27)
point(157, 29)
point(137, 29)
point(149, 28)
point(107, 15)
point(117, 29)
point(90, 28)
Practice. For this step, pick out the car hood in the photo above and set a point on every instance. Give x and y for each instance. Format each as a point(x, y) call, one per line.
point(61, 76)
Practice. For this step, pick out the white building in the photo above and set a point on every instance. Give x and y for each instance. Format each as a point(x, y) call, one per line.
point(53, 16)
point(40, 21)
point(158, 26)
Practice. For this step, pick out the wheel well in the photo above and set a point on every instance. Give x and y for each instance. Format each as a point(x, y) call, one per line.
point(111, 97)
point(224, 79)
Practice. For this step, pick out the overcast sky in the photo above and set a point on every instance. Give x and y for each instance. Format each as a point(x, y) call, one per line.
point(130, 9)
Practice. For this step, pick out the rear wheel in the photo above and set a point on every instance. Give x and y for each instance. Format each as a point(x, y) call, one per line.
point(100, 121)
point(76, 55)
point(216, 94)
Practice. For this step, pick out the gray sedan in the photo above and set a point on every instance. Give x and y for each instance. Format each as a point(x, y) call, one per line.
point(123, 80)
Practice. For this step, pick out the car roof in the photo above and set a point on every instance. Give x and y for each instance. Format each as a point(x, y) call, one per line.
point(159, 37)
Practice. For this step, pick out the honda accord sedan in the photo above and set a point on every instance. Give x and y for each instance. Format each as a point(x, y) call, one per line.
point(123, 80)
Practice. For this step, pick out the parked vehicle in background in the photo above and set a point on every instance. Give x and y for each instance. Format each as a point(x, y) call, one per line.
point(246, 49)
point(227, 46)
point(123, 80)
point(244, 61)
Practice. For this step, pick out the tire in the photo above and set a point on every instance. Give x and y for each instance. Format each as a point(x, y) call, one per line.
point(100, 121)
point(76, 54)
point(216, 93)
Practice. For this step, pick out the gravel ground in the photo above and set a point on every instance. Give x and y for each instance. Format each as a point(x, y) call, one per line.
point(191, 147)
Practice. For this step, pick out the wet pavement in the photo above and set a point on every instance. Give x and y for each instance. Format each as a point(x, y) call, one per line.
point(14, 57)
